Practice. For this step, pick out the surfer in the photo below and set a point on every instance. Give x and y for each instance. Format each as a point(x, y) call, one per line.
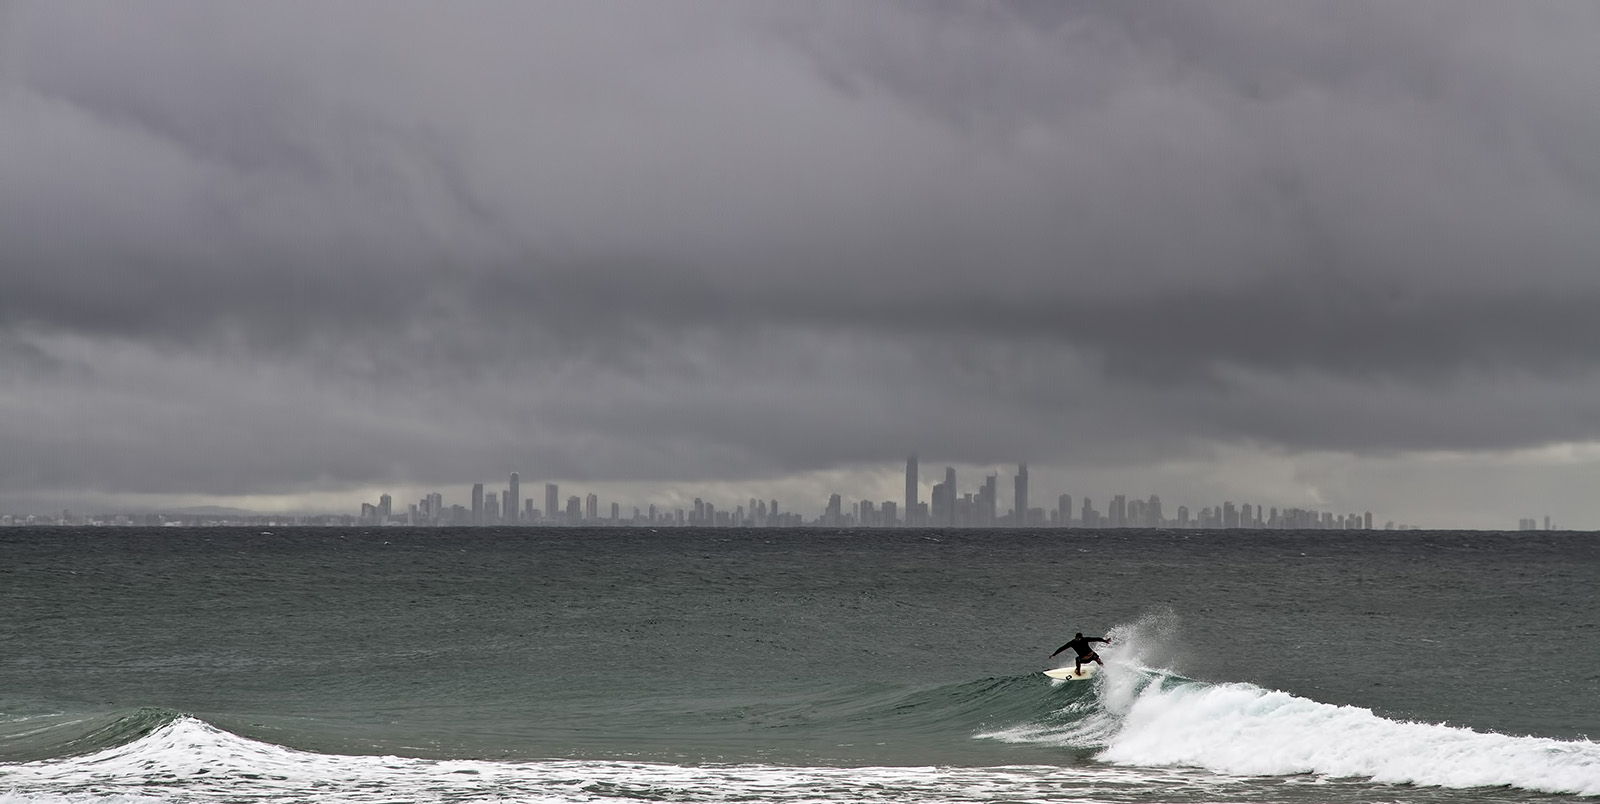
point(1080, 643)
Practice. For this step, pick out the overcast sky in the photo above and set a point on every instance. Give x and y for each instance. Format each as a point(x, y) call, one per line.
point(289, 255)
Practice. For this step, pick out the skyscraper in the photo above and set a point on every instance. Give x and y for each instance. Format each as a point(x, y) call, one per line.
point(552, 502)
point(477, 503)
point(510, 509)
point(949, 497)
point(911, 489)
point(1020, 489)
point(990, 504)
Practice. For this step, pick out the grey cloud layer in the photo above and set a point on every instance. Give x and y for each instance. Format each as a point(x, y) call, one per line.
point(679, 241)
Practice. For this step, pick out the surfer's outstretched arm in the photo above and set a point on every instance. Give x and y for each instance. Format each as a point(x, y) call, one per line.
point(1060, 649)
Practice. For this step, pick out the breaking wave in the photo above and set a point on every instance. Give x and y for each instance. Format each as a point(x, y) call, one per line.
point(1142, 717)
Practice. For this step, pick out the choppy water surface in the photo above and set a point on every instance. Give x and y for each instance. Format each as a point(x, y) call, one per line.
point(574, 665)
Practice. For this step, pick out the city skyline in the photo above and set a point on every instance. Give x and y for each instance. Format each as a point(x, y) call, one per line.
point(977, 508)
point(1339, 255)
point(948, 507)
point(924, 498)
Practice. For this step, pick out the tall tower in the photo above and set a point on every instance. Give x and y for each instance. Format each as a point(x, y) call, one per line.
point(950, 495)
point(991, 502)
point(477, 503)
point(552, 502)
point(510, 511)
point(1020, 492)
point(911, 489)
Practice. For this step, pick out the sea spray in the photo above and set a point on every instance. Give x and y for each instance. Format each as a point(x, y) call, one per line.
point(1140, 715)
point(1244, 729)
point(1093, 718)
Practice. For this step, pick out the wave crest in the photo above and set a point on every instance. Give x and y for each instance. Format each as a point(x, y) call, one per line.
point(65, 736)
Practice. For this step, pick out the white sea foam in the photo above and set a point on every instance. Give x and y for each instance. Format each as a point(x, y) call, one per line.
point(190, 761)
point(1146, 717)
point(1244, 729)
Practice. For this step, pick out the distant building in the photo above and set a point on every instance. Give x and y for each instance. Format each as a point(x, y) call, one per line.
point(911, 489)
point(1019, 490)
point(513, 499)
point(949, 512)
point(477, 503)
point(552, 501)
point(866, 514)
point(833, 516)
point(989, 513)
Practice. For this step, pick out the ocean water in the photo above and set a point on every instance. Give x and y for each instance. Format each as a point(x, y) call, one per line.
point(752, 666)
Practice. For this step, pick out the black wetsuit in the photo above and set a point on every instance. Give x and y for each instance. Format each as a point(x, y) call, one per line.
point(1081, 645)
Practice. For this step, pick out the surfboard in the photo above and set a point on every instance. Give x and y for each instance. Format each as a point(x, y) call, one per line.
point(1065, 673)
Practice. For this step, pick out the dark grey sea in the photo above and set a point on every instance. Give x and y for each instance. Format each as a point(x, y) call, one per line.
point(795, 666)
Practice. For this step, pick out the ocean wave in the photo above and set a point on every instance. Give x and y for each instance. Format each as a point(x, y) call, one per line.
point(1244, 729)
point(188, 760)
point(49, 736)
point(1146, 718)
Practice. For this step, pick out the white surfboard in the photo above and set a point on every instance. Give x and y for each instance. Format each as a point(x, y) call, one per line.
point(1066, 674)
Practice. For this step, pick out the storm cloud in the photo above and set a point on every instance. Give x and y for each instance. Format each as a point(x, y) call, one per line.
point(263, 249)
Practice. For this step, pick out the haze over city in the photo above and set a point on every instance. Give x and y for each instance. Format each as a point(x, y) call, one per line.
point(291, 256)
